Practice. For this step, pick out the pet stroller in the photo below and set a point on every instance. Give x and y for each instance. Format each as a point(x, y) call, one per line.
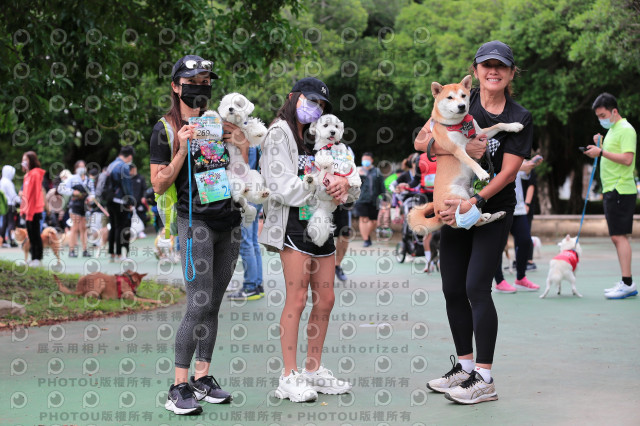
point(411, 243)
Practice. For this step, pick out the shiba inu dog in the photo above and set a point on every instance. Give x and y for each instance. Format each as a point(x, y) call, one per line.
point(50, 239)
point(563, 266)
point(453, 128)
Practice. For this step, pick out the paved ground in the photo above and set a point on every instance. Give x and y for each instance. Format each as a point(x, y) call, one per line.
point(561, 360)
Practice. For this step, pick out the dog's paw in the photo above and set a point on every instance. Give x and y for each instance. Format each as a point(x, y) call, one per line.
point(513, 127)
point(483, 175)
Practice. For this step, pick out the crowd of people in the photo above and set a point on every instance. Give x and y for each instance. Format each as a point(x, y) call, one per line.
point(210, 230)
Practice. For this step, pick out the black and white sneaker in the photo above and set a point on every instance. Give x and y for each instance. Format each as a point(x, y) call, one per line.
point(207, 388)
point(340, 273)
point(181, 400)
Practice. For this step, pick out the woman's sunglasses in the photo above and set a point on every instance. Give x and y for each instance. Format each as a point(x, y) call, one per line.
point(194, 65)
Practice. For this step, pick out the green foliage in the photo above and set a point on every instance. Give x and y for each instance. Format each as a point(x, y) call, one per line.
point(37, 291)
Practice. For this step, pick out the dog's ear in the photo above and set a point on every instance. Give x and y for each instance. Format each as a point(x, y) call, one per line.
point(436, 88)
point(466, 82)
point(312, 128)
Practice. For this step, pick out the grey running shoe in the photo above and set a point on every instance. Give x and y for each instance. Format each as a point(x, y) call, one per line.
point(472, 391)
point(181, 400)
point(450, 380)
point(207, 388)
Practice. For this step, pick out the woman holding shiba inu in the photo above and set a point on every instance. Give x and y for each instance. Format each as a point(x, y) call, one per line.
point(287, 158)
point(468, 258)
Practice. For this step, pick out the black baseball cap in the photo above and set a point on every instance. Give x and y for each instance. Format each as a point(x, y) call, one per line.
point(495, 50)
point(191, 65)
point(313, 89)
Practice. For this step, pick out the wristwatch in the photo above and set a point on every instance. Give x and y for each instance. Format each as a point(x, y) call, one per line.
point(480, 202)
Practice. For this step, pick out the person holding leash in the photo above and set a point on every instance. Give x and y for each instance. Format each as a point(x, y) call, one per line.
point(618, 154)
point(211, 230)
point(287, 156)
point(468, 258)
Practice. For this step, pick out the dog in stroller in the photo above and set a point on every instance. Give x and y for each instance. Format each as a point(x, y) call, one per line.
point(411, 243)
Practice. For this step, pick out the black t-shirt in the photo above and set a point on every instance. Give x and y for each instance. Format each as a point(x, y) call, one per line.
point(512, 143)
point(526, 183)
point(220, 215)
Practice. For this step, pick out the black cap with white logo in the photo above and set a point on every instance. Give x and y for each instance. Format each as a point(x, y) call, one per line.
point(313, 89)
point(495, 50)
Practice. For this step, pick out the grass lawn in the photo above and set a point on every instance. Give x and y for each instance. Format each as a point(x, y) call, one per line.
point(35, 289)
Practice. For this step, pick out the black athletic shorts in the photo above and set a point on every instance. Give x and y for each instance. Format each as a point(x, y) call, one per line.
point(303, 244)
point(618, 209)
point(369, 210)
point(342, 221)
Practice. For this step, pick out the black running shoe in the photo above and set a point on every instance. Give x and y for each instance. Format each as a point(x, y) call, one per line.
point(86, 253)
point(260, 289)
point(182, 400)
point(207, 388)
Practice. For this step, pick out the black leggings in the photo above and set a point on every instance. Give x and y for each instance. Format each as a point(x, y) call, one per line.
point(8, 223)
point(523, 247)
point(468, 261)
point(35, 239)
point(120, 232)
point(214, 255)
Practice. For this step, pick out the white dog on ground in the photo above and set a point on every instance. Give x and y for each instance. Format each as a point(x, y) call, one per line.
point(246, 184)
point(563, 266)
point(332, 159)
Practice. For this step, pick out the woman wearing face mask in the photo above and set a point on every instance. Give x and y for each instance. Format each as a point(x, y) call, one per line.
point(287, 155)
point(215, 232)
point(468, 258)
point(81, 190)
point(32, 204)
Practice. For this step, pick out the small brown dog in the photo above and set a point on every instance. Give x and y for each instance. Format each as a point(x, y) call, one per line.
point(453, 128)
point(50, 239)
point(105, 286)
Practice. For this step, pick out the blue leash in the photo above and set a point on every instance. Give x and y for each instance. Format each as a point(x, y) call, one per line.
point(189, 252)
point(584, 209)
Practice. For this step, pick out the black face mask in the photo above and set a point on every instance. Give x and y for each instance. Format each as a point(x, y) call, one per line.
point(196, 95)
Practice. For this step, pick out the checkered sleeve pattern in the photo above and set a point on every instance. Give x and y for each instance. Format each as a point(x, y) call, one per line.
point(493, 145)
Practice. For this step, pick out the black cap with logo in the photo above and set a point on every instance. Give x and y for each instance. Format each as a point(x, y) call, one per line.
point(314, 89)
point(191, 65)
point(495, 50)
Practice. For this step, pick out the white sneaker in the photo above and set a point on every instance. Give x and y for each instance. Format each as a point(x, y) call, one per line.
point(450, 380)
point(35, 263)
point(322, 381)
point(472, 391)
point(622, 291)
point(296, 388)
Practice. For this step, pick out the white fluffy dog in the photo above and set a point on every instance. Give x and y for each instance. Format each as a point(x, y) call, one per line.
point(332, 159)
point(562, 266)
point(246, 184)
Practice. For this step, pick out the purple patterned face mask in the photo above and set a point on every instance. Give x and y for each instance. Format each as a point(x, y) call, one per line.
point(308, 112)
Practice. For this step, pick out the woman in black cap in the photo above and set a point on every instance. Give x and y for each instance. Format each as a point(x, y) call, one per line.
point(287, 155)
point(215, 232)
point(468, 258)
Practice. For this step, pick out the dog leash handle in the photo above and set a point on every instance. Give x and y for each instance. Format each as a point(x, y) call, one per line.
point(189, 243)
point(586, 198)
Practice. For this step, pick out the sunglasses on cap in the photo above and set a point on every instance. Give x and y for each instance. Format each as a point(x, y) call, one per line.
point(194, 65)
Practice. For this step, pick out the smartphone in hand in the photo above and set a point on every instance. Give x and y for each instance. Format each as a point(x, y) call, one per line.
point(582, 148)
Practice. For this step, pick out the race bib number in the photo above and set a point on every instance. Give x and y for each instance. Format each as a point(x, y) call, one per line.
point(213, 185)
point(304, 212)
point(207, 146)
point(207, 128)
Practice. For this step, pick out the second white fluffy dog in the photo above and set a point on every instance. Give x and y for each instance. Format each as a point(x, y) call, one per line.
point(563, 266)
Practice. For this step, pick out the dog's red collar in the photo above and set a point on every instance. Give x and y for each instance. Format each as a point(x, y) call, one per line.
point(465, 127)
point(127, 277)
